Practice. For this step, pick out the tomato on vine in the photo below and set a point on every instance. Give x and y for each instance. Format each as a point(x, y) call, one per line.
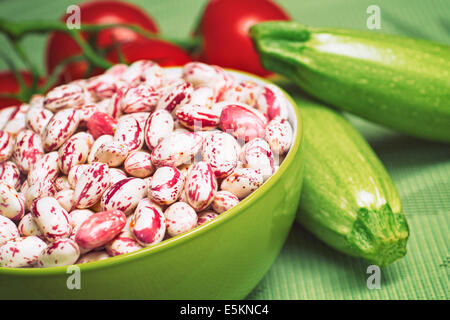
point(224, 30)
point(60, 46)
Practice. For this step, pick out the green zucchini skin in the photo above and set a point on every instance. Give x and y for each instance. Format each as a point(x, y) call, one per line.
point(401, 83)
point(348, 199)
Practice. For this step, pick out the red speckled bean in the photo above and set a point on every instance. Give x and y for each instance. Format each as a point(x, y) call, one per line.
point(75, 173)
point(37, 118)
point(177, 149)
point(124, 195)
point(244, 92)
point(12, 205)
point(93, 256)
point(257, 154)
point(62, 183)
point(242, 182)
point(224, 201)
point(158, 126)
point(21, 252)
point(46, 168)
point(65, 96)
point(197, 117)
point(8, 230)
point(139, 164)
point(38, 190)
point(243, 122)
point(61, 252)
point(122, 244)
point(166, 185)
point(272, 102)
point(113, 153)
point(175, 96)
point(221, 152)
point(148, 224)
point(206, 216)
point(51, 218)
point(16, 120)
point(279, 135)
point(100, 228)
point(101, 124)
point(201, 74)
point(28, 150)
point(7, 144)
point(140, 99)
point(60, 128)
point(97, 144)
point(201, 186)
point(91, 184)
point(180, 218)
point(28, 227)
point(144, 71)
point(65, 198)
point(130, 133)
point(10, 174)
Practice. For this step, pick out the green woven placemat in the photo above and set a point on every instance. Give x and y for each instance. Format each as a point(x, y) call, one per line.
point(306, 268)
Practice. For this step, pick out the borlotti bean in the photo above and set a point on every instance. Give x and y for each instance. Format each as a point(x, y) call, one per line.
point(51, 218)
point(177, 149)
point(223, 201)
point(159, 125)
point(16, 122)
point(148, 224)
point(124, 195)
point(139, 164)
point(8, 230)
point(272, 102)
point(201, 186)
point(129, 133)
point(7, 143)
point(37, 118)
point(166, 185)
point(60, 128)
point(28, 149)
point(46, 168)
point(244, 92)
point(113, 153)
point(279, 135)
point(109, 165)
point(220, 151)
point(28, 227)
point(10, 174)
point(101, 124)
point(61, 252)
point(21, 252)
point(12, 206)
point(92, 183)
point(65, 96)
point(180, 218)
point(97, 144)
point(206, 216)
point(93, 256)
point(100, 228)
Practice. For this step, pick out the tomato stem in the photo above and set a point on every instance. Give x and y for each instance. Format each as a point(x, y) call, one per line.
point(15, 31)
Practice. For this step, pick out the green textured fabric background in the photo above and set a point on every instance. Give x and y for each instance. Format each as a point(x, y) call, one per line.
point(306, 268)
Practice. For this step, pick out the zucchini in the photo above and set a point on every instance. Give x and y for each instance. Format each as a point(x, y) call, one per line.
point(348, 199)
point(401, 83)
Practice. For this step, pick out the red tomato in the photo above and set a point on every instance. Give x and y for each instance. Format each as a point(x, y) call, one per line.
point(60, 46)
point(9, 84)
point(224, 29)
point(164, 53)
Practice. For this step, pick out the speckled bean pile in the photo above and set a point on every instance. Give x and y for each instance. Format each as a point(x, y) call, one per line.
point(120, 161)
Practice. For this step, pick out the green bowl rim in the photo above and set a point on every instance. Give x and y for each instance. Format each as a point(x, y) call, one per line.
point(168, 243)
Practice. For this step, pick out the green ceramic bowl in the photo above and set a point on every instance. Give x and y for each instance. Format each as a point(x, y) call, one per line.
point(223, 259)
